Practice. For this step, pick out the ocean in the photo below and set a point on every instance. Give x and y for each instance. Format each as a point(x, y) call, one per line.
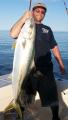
point(7, 52)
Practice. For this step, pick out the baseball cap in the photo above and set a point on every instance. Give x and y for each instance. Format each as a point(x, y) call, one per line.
point(39, 5)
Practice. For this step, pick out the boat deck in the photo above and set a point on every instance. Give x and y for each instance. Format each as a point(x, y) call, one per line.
point(35, 111)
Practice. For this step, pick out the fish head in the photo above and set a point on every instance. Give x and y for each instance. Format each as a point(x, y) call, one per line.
point(28, 30)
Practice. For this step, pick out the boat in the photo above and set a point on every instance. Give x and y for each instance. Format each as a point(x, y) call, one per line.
point(35, 111)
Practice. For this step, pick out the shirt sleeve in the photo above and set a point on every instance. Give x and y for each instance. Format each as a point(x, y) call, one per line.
point(52, 40)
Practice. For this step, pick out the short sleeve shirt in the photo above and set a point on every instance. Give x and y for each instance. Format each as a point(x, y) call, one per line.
point(44, 41)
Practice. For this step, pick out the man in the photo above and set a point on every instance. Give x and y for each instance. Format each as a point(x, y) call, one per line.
point(43, 78)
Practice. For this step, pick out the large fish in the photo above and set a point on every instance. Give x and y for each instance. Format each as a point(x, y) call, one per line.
point(23, 57)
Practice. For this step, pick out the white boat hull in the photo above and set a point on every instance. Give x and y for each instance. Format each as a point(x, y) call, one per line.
point(35, 110)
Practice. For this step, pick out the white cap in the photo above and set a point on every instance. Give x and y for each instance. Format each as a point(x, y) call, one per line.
point(39, 5)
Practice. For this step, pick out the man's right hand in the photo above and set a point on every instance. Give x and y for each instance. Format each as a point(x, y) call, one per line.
point(16, 28)
point(27, 15)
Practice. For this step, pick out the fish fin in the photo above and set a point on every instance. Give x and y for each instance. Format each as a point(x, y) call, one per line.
point(14, 45)
point(9, 107)
point(16, 106)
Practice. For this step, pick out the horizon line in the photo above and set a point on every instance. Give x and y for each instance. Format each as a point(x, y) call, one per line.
point(52, 30)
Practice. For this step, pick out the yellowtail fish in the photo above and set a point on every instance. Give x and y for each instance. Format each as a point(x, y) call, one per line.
point(23, 57)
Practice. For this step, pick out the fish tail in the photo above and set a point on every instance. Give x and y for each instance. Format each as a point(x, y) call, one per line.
point(16, 106)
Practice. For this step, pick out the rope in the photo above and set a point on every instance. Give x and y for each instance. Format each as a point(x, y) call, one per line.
point(30, 4)
point(65, 6)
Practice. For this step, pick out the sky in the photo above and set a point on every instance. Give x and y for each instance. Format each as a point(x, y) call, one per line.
point(56, 16)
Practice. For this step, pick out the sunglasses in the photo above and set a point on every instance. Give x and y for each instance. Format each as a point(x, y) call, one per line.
point(40, 11)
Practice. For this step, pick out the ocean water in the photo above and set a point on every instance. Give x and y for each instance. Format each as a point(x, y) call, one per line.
point(7, 52)
point(62, 40)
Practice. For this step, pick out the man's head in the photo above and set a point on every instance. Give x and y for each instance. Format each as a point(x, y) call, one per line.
point(39, 10)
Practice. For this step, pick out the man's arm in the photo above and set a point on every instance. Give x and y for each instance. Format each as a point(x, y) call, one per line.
point(58, 57)
point(15, 30)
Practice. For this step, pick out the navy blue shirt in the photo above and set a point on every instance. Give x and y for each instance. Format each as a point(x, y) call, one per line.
point(44, 41)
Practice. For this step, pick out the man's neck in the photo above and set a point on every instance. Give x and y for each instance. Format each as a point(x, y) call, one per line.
point(37, 22)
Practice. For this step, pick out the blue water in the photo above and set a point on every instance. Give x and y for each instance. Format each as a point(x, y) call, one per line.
point(6, 52)
point(62, 40)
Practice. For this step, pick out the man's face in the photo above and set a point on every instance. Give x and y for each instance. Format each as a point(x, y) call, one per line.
point(38, 14)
